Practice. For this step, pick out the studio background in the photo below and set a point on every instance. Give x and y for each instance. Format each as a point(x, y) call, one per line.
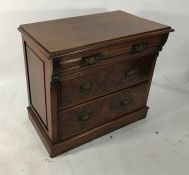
point(156, 145)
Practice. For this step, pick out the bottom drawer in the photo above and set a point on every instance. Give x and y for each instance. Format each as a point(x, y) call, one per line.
point(89, 115)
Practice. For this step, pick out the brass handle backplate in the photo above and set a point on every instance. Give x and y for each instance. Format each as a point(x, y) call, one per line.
point(85, 117)
point(126, 102)
point(86, 87)
point(137, 48)
point(132, 73)
point(92, 59)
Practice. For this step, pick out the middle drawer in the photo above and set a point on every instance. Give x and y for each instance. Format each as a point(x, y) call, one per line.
point(101, 81)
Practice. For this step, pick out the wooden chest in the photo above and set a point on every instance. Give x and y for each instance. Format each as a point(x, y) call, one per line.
point(89, 75)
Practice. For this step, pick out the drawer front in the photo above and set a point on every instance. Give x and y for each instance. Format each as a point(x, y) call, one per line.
point(92, 114)
point(101, 81)
point(94, 57)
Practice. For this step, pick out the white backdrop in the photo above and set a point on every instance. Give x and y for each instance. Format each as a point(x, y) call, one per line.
point(169, 95)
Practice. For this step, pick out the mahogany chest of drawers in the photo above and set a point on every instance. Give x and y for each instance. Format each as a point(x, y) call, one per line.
point(89, 75)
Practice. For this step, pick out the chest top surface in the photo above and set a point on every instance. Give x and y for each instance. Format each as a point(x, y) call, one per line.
point(77, 32)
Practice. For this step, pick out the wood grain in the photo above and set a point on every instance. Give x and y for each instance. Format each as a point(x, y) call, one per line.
point(104, 80)
point(102, 110)
point(87, 76)
point(37, 84)
point(67, 34)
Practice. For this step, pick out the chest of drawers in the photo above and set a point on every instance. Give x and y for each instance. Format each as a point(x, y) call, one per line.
point(89, 75)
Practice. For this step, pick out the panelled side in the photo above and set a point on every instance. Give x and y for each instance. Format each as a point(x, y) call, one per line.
point(36, 83)
point(39, 72)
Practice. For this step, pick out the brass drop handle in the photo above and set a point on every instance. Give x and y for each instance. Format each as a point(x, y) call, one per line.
point(90, 60)
point(137, 48)
point(85, 117)
point(85, 87)
point(132, 73)
point(126, 102)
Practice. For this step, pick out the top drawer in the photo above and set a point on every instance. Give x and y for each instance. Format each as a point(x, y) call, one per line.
point(96, 56)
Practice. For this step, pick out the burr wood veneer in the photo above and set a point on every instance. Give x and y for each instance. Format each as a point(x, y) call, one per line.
point(89, 75)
